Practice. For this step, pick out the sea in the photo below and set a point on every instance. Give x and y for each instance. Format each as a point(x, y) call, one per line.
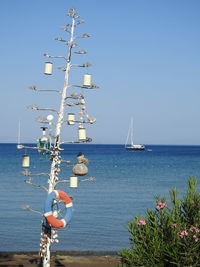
point(125, 185)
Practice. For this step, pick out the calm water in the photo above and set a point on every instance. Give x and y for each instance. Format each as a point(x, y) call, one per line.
point(126, 183)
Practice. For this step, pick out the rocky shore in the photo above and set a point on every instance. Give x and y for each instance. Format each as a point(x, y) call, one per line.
point(68, 259)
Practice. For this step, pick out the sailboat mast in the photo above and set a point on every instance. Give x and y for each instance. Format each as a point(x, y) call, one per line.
point(19, 133)
point(132, 131)
point(127, 138)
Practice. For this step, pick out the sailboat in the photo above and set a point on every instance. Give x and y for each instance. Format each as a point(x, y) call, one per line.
point(130, 137)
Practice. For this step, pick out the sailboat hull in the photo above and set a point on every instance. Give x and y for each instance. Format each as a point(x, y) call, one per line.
point(135, 147)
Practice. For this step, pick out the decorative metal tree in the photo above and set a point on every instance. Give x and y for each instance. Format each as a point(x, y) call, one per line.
point(50, 145)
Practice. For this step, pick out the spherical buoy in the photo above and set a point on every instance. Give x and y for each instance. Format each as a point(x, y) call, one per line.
point(80, 169)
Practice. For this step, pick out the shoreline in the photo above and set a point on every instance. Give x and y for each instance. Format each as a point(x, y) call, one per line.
point(67, 253)
point(62, 258)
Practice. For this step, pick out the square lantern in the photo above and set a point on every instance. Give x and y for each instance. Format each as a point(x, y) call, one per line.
point(25, 161)
point(87, 80)
point(81, 133)
point(73, 181)
point(48, 68)
point(71, 118)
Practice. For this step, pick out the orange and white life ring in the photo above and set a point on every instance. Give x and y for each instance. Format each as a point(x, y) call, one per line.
point(48, 209)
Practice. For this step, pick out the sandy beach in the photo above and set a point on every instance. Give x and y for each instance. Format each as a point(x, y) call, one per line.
point(8, 259)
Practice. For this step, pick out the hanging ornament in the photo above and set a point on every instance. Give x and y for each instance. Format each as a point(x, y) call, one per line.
point(43, 130)
point(71, 118)
point(73, 182)
point(87, 79)
point(81, 133)
point(25, 161)
point(80, 169)
point(48, 67)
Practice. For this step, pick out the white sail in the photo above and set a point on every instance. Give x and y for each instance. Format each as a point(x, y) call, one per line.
point(129, 140)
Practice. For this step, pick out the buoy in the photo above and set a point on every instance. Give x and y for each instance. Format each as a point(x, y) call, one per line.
point(48, 209)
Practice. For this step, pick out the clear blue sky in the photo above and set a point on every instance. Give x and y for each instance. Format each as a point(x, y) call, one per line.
point(145, 56)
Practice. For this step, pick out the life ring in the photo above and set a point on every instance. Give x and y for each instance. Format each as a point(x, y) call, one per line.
point(48, 212)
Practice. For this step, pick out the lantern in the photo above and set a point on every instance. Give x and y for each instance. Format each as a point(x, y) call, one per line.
point(25, 161)
point(48, 68)
point(73, 182)
point(81, 133)
point(43, 130)
point(87, 80)
point(82, 102)
point(71, 118)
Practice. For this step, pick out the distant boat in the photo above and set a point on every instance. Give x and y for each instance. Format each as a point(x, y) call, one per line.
point(131, 146)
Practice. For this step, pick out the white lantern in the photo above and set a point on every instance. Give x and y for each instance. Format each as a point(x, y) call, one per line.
point(71, 118)
point(43, 130)
point(25, 161)
point(48, 67)
point(81, 134)
point(87, 80)
point(73, 182)
point(82, 101)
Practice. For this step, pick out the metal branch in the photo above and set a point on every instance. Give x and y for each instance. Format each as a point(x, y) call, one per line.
point(88, 139)
point(35, 107)
point(62, 181)
point(84, 65)
point(33, 147)
point(66, 28)
point(27, 207)
point(75, 96)
point(49, 56)
point(84, 35)
point(27, 173)
point(93, 86)
point(33, 87)
point(74, 104)
point(37, 185)
point(60, 39)
point(61, 68)
point(90, 179)
point(67, 161)
point(48, 90)
point(91, 121)
point(80, 52)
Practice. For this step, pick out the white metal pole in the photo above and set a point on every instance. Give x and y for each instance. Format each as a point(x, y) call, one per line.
point(61, 112)
point(56, 149)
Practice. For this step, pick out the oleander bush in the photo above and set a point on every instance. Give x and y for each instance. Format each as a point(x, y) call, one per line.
point(169, 235)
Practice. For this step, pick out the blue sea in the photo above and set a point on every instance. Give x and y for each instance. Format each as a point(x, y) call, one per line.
point(126, 183)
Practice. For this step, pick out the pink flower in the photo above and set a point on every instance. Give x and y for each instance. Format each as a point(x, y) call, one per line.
point(141, 222)
point(183, 233)
point(161, 205)
point(195, 238)
point(194, 229)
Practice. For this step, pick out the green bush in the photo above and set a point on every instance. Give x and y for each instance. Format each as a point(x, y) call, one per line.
point(167, 236)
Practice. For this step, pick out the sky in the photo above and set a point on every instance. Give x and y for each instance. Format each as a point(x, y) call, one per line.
point(145, 58)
